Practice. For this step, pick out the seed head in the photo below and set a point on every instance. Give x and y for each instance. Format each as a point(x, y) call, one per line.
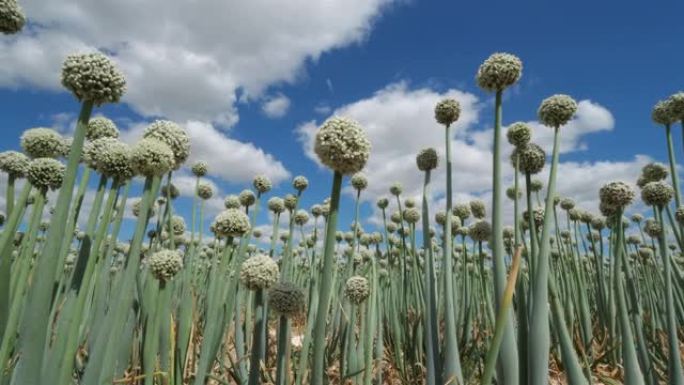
point(46, 173)
point(480, 230)
point(462, 210)
point(499, 71)
point(151, 157)
point(412, 215)
point(247, 198)
point(231, 223)
point(262, 184)
point(276, 205)
point(14, 163)
point(531, 158)
point(427, 159)
point(342, 144)
point(42, 143)
point(101, 127)
point(259, 272)
point(357, 289)
point(93, 77)
point(200, 168)
point(12, 17)
point(657, 194)
point(300, 183)
point(286, 299)
point(447, 111)
point(477, 207)
point(555, 111)
point(165, 264)
point(174, 136)
point(519, 134)
point(616, 194)
point(205, 191)
point(359, 181)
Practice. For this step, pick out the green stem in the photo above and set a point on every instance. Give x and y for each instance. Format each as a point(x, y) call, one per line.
point(35, 333)
point(452, 361)
point(319, 342)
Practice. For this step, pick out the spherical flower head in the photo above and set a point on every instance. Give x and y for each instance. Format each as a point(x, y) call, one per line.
point(395, 217)
point(654, 172)
point(477, 207)
point(510, 193)
point(480, 230)
point(276, 205)
point(679, 215)
point(637, 218)
point(12, 17)
point(440, 218)
point(262, 184)
point(342, 145)
point(114, 160)
point(232, 202)
point(152, 157)
point(608, 210)
point(165, 264)
point(499, 71)
point(396, 189)
point(567, 203)
point(357, 289)
point(555, 111)
point(42, 142)
point(462, 210)
point(135, 208)
point(316, 210)
point(46, 173)
point(657, 194)
point(290, 202)
point(662, 113)
point(412, 215)
point(205, 191)
point(427, 159)
point(677, 106)
point(178, 225)
point(300, 183)
point(536, 185)
point(359, 181)
point(447, 111)
point(538, 216)
point(519, 134)
point(301, 217)
point(231, 223)
point(174, 136)
point(586, 217)
point(531, 158)
point(598, 223)
point(409, 202)
point(101, 127)
point(200, 168)
point(256, 233)
point(616, 194)
point(92, 151)
point(259, 272)
point(14, 163)
point(247, 198)
point(645, 252)
point(93, 77)
point(382, 203)
point(286, 299)
point(652, 228)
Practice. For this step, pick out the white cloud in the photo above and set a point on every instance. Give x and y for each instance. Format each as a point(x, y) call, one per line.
point(228, 159)
point(276, 106)
point(185, 60)
point(399, 122)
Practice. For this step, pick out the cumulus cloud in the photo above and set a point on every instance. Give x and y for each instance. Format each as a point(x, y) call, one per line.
point(399, 122)
point(228, 159)
point(276, 106)
point(185, 60)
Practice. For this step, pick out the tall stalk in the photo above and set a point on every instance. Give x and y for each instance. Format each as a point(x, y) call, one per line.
point(508, 355)
point(319, 341)
point(34, 334)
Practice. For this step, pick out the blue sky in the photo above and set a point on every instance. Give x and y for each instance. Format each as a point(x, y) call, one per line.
point(367, 59)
